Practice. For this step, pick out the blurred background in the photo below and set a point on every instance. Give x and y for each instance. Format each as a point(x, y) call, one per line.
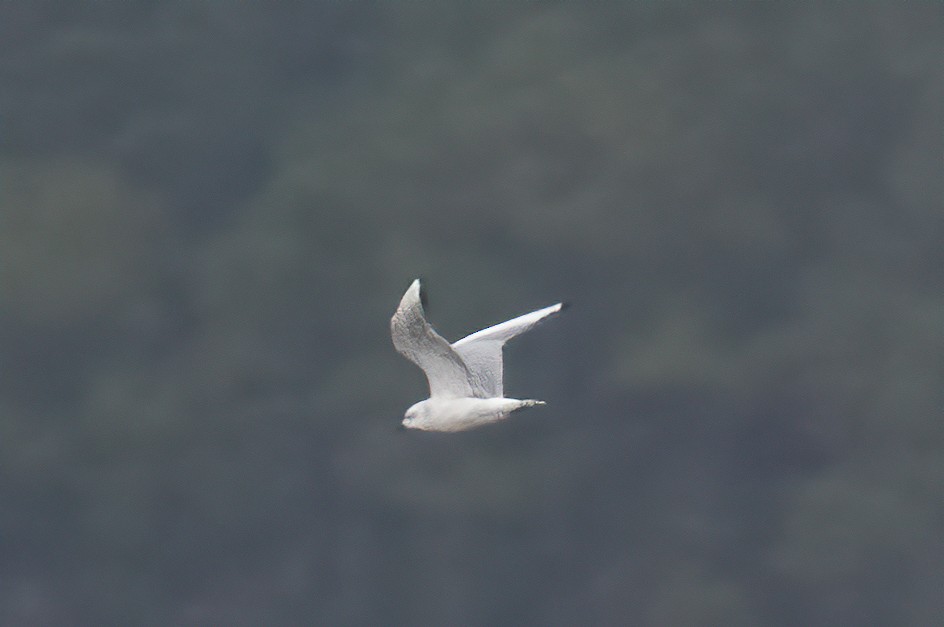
point(210, 211)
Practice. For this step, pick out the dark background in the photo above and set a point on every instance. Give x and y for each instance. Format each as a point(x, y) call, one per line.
point(211, 209)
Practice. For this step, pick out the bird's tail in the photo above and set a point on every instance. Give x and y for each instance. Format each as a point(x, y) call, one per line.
point(528, 403)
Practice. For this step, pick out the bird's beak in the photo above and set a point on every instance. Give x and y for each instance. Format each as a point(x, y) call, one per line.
point(401, 426)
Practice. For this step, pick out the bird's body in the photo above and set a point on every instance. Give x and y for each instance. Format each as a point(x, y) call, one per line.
point(461, 414)
point(465, 378)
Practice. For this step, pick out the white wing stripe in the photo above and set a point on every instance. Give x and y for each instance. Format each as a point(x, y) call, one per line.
point(510, 328)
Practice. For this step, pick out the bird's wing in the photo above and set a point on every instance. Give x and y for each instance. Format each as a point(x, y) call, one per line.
point(418, 342)
point(482, 350)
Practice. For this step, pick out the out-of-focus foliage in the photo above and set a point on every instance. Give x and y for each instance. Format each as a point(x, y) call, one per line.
point(211, 209)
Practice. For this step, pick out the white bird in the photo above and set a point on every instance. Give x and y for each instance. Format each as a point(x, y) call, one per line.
point(465, 378)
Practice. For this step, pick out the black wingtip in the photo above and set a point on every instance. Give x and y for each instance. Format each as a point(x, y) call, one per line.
point(564, 305)
point(423, 300)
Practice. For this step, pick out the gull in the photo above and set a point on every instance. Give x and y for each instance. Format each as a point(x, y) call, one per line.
point(465, 378)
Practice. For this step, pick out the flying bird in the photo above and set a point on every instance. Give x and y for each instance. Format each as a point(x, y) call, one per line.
point(465, 378)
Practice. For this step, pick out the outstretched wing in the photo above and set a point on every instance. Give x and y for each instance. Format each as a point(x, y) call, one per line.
point(418, 342)
point(482, 351)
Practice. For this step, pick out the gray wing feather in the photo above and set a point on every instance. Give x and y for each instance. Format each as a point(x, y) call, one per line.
point(416, 340)
point(482, 350)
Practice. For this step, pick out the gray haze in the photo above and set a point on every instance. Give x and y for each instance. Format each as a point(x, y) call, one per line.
point(210, 211)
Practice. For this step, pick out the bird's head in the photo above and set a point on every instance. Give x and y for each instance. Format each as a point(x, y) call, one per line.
point(417, 416)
